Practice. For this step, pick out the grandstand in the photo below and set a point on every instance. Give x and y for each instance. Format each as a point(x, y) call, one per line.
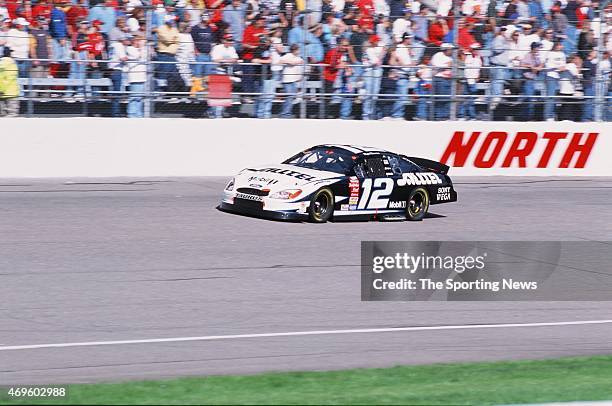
point(521, 60)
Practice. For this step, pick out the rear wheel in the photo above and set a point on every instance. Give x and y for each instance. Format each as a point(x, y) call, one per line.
point(417, 205)
point(321, 206)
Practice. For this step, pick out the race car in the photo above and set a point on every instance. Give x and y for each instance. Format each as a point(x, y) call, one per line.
point(340, 182)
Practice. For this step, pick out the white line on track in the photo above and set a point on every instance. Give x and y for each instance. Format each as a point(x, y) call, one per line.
point(301, 333)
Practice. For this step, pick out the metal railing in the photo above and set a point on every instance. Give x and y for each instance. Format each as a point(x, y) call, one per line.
point(402, 95)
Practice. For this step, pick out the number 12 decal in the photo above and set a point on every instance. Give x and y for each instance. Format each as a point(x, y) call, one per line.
point(380, 195)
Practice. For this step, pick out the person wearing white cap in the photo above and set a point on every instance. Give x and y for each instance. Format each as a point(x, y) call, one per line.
point(5, 26)
point(442, 62)
point(19, 42)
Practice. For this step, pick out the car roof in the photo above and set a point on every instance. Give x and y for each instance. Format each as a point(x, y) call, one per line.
point(353, 149)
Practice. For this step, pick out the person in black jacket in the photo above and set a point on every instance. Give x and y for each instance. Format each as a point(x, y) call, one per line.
point(589, 72)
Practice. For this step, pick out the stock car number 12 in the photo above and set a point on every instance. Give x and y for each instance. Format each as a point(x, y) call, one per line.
point(377, 194)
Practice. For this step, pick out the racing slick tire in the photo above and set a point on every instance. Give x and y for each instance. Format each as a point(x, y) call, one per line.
point(417, 204)
point(321, 206)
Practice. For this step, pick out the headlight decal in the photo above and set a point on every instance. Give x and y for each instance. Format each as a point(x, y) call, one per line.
point(286, 194)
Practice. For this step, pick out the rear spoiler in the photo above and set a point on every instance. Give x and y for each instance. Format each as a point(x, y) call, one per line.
point(433, 166)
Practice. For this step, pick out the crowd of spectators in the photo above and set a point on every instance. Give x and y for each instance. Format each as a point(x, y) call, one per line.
point(383, 55)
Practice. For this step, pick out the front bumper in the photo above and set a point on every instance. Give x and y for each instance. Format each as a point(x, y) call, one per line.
point(269, 214)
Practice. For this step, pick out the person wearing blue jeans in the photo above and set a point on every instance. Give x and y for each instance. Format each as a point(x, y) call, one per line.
point(589, 73)
point(467, 109)
point(498, 76)
point(78, 72)
point(570, 41)
point(263, 78)
point(372, 79)
point(290, 91)
point(398, 110)
point(268, 90)
point(498, 62)
point(118, 65)
point(372, 76)
point(555, 65)
point(167, 71)
point(473, 63)
point(136, 77)
point(291, 76)
point(343, 88)
point(532, 67)
point(529, 90)
point(442, 63)
point(587, 110)
point(345, 92)
point(135, 107)
point(608, 105)
point(402, 58)
point(441, 90)
point(552, 87)
point(423, 90)
point(117, 80)
point(202, 69)
point(337, 74)
point(202, 35)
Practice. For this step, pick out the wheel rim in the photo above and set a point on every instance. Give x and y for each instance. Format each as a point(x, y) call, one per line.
point(417, 204)
point(322, 205)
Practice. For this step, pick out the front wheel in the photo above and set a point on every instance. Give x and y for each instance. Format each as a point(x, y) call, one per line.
point(321, 206)
point(418, 204)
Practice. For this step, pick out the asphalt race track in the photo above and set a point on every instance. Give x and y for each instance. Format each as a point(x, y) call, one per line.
point(145, 260)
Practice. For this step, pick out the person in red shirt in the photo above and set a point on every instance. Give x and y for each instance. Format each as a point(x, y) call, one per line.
point(337, 61)
point(96, 39)
point(437, 31)
point(366, 22)
point(250, 42)
point(366, 7)
point(215, 7)
point(11, 7)
point(97, 51)
point(465, 38)
point(250, 39)
point(42, 8)
point(25, 11)
point(582, 15)
point(76, 13)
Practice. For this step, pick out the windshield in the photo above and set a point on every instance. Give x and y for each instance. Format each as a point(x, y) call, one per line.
point(324, 159)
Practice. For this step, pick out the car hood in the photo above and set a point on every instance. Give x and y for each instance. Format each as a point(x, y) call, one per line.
point(279, 177)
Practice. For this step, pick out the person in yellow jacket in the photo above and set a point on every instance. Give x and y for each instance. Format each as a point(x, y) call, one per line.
point(9, 87)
